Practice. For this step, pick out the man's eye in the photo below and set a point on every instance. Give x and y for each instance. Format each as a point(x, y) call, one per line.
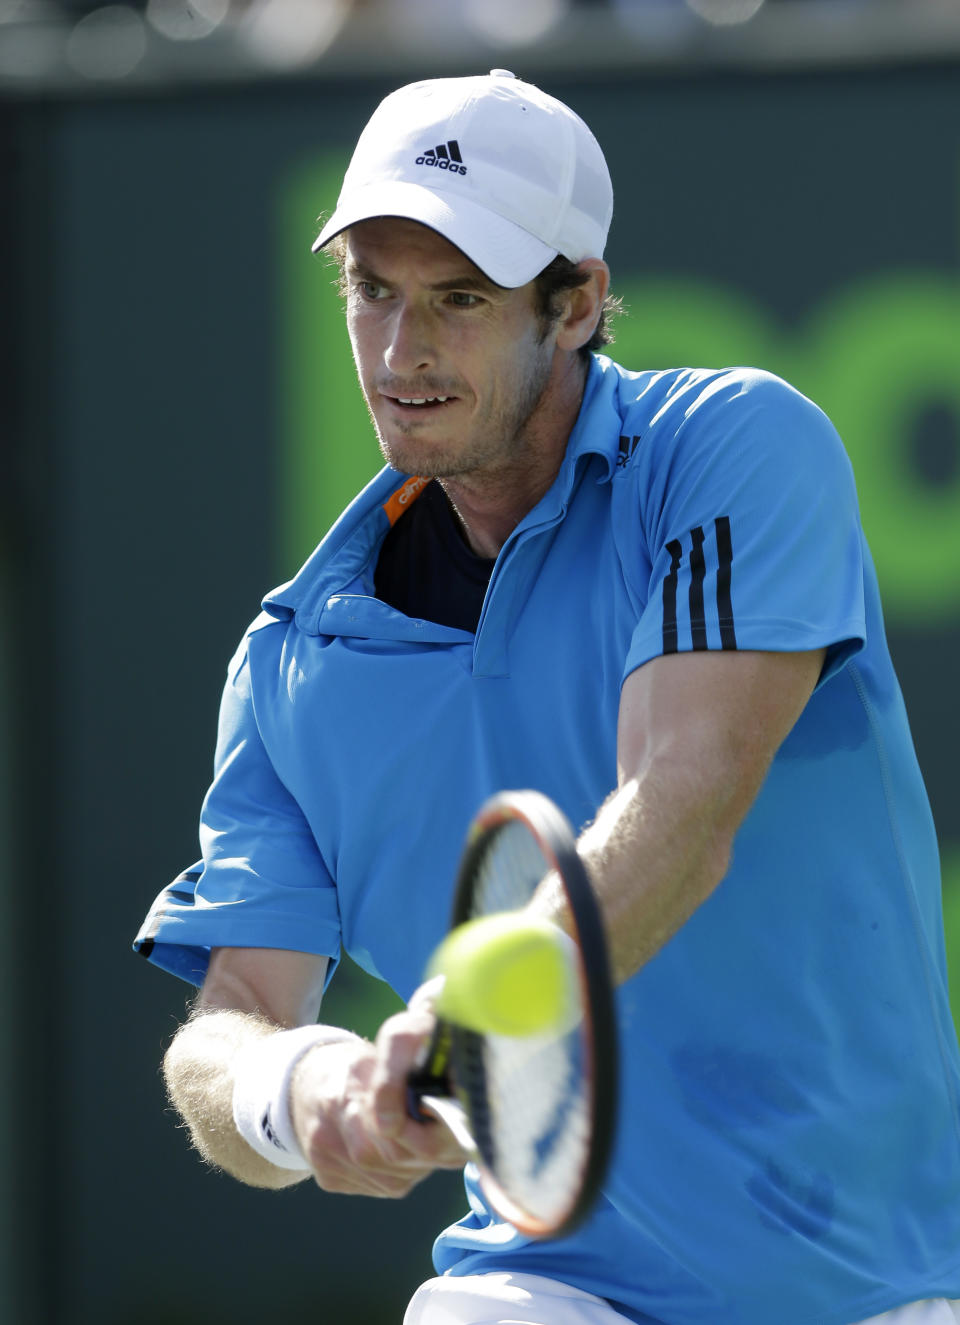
point(463, 298)
point(370, 289)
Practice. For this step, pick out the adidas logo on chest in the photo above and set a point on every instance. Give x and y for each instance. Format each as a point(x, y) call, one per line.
point(445, 156)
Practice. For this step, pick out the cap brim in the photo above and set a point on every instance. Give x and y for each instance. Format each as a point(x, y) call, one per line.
point(505, 252)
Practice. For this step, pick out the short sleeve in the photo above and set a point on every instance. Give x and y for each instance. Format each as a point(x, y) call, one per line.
point(262, 882)
point(749, 513)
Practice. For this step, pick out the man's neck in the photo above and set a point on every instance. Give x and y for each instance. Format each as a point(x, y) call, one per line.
point(491, 504)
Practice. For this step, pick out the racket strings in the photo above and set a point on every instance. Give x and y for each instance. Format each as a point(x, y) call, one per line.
point(529, 1097)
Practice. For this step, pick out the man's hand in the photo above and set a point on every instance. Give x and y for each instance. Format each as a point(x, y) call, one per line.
point(348, 1106)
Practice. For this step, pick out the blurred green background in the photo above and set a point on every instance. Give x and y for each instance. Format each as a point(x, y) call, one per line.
point(181, 423)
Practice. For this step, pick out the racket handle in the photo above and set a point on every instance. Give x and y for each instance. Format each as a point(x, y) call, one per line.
point(423, 1086)
point(430, 1076)
point(451, 1114)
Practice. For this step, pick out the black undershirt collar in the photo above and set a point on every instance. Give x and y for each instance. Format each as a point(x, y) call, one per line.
point(425, 568)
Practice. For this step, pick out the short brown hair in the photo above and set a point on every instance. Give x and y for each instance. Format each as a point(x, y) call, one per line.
point(560, 275)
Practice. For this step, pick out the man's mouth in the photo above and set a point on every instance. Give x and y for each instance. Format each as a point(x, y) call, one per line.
point(421, 402)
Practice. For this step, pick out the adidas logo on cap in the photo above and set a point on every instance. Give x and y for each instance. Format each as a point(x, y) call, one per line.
point(445, 156)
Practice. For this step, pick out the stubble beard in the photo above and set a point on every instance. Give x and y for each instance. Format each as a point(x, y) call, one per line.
point(503, 441)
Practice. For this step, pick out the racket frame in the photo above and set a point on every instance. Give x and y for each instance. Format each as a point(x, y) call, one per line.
point(434, 1090)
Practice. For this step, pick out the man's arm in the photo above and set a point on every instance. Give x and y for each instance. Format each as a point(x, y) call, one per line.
point(347, 1099)
point(696, 736)
point(248, 993)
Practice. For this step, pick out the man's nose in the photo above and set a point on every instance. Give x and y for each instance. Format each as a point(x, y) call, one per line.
point(411, 345)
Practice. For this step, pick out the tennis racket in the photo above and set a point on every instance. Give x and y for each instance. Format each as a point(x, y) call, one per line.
point(535, 1112)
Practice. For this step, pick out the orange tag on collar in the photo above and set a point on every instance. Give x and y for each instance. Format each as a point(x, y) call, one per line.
point(401, 499)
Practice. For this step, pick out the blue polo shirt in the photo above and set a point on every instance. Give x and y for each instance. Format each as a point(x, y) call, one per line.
point(788, 1148)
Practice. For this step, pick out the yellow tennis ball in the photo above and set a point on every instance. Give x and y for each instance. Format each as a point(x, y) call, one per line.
point(506, 974)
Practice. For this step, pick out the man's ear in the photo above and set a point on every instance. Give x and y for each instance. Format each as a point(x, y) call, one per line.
point(583, 305)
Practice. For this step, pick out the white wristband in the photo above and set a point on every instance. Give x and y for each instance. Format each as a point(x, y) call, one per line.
point(261, 1091)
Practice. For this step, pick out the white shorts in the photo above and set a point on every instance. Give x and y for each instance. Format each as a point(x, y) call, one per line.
point(529, 1299)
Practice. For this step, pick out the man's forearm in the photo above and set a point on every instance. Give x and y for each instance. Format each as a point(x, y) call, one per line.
point(198, 1070)
point(696, 736)
point(654, 853)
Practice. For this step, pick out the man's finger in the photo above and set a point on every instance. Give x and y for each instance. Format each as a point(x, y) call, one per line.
point(400, 1045)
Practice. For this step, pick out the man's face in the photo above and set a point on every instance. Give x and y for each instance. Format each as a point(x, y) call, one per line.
point(427, 326)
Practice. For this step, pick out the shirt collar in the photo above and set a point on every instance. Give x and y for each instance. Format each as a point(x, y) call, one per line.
point(346, 550)
point(597, 429)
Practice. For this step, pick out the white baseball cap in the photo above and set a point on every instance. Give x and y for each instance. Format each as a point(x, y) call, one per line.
point(508, 174)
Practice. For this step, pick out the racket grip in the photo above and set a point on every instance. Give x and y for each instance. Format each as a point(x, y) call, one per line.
point(430, 1076)
point(451, 1114)
point(419, 1084)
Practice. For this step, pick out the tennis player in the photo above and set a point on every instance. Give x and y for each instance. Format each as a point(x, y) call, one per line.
point(647, 595)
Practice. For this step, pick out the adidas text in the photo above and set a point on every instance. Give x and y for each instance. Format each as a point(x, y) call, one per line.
point(441, 164)
point(445, 156)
